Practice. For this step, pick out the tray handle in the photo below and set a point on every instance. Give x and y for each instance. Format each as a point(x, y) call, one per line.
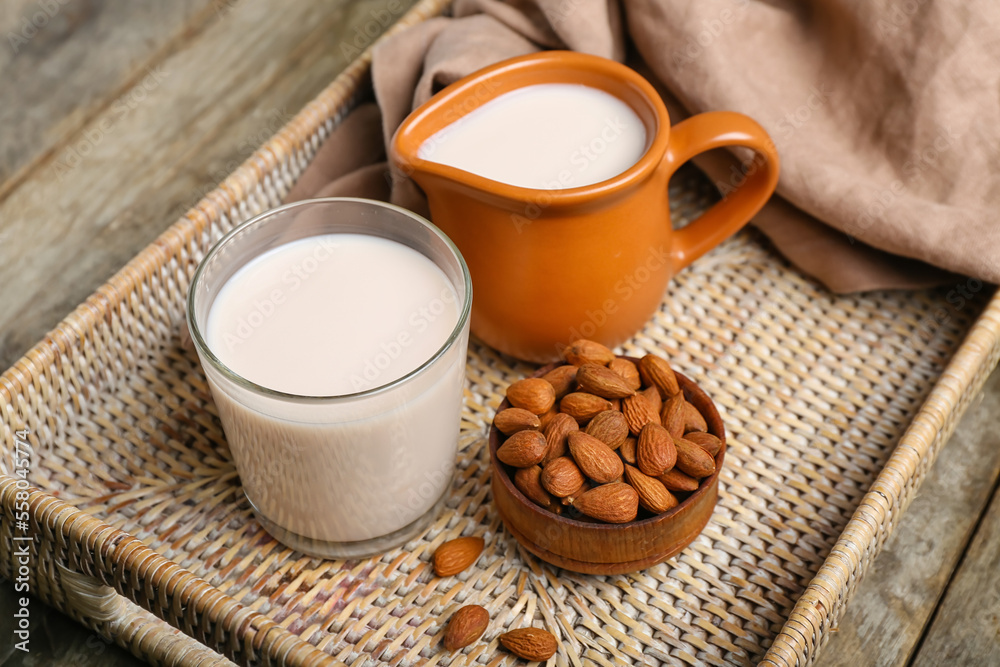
point(115, 618)
point(104, 562)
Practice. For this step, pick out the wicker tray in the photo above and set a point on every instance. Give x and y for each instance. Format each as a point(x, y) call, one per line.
point(836, 407)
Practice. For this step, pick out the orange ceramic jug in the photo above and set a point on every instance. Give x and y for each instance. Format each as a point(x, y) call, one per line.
point(551, 266)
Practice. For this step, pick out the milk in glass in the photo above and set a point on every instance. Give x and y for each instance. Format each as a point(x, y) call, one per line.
point(338, 315)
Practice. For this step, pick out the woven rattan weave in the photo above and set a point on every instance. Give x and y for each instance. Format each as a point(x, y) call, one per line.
point(835, 406)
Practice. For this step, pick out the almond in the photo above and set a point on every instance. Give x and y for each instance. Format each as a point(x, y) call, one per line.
point(652, 395)
point(609, 427)
point(587, 351)
point(627, 450)
point(562, 379)
point(466, 626)
point(523, 449)
point(672, 415)
point(533, 394)
point(455, 555)
point(582, 406)
point(655, 452)
point(616, 404)
point(512, 420)
point(531, 644)
point(693, 421)
point(527, 480)
point(556, 433)
point(706, 441)
point(612, 503)
point(656, 371)
point(693, 460)
point(638, 412)
point(628, 371)
point(652, 494)
point(675, 480)
point(594, 458)
point(561, 477)
point(602, 382)
point(547, 417)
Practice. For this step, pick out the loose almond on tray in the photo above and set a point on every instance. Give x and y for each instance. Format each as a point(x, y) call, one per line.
point(620, 441)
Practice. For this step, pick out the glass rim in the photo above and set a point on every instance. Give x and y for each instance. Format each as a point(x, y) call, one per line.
point(203, 347)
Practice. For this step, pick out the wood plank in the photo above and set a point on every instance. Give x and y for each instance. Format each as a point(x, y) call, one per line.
point(67, 60)
point(158, 148)
point(896, 600)
point(966, 626)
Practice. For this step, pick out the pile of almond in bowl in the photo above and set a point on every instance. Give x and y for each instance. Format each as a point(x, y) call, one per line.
point(602, 438)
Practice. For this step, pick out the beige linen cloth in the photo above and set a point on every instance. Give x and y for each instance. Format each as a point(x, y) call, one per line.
point(886, 114)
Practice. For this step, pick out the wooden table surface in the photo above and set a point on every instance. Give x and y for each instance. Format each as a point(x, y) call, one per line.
point(117, 116)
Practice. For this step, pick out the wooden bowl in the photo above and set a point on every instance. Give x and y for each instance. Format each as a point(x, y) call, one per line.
point(602, 548)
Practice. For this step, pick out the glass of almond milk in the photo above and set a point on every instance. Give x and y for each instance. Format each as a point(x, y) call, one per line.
point(333, 333)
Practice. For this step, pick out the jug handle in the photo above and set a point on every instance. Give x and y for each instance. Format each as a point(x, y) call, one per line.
point(717, 129)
